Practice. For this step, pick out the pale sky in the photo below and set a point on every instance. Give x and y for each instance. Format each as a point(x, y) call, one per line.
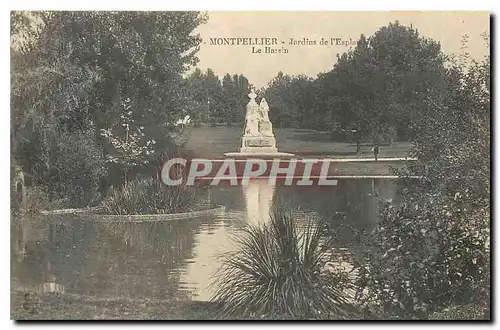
point(445, 27)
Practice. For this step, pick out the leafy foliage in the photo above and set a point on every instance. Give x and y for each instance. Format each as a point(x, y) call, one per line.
point(69, 166)
point(423, 257)
point(374, 89)
point(432, 251)
point(278, 271)
point(72, 71)
point(289, 99)
point(214, 101)
point(36, 200)
point(129, 149)
point(77, 169)
point(469, 312)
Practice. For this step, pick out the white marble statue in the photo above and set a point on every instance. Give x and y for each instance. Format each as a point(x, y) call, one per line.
point(258, 137)
point(253, 117)
point(265, 126)
point(264, 110)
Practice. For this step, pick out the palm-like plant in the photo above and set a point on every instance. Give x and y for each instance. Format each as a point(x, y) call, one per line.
point(277, 271)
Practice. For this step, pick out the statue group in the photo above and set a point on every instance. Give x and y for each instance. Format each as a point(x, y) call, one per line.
point(258, 137)
point(257, 121)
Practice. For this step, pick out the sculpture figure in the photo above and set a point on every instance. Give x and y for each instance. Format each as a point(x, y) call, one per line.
point(265, 126)
point(264, 110)
point(252, 117)
point(258, 137)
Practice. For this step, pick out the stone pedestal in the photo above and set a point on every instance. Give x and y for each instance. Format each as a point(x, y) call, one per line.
point(258, 144)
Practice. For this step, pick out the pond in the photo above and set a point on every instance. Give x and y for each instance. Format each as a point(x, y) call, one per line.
point(165, 259)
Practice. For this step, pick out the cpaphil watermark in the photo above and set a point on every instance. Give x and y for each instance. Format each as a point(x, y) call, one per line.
point(300, 172)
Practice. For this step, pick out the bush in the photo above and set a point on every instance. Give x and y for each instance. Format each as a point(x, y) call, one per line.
point(425, 255)
point(36, 200)
point(149, 197)
point(78, 166)
point(468, 312)
point(278, 271)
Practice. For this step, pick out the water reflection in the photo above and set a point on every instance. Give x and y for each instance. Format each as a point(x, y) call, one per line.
point(162, 259)
point(258, 196)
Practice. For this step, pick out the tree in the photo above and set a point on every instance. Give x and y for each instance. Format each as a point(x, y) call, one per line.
point(130, 148)
point(198, 96)
point(77, 169)
point(229, 101)
point(433, 250)
point(242, 87)
point(78, 67)
point(226, 102)
point(214, 96)
point(288, 99)
point(374, 88)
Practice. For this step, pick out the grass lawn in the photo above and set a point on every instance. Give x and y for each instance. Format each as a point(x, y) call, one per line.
point(213, 142)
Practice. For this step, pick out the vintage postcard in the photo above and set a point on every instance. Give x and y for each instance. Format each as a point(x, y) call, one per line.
point(170, 165)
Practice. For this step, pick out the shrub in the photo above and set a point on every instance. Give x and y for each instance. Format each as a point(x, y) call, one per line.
point(428, 254)
point(277, 271)
point(149, 197)
point(36, 200)
point(77, 167)
point(469, 312)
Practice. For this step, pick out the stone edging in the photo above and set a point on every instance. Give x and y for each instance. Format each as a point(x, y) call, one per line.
point(87, 214)
point(71, 211)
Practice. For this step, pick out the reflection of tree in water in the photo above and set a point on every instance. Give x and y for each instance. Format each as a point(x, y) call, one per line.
point(141, 259)
point(348, 208)
point(17, 240)
point(106, 259)
point(48, 251)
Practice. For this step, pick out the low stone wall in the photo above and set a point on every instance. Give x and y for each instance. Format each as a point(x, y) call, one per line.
point(88, 214)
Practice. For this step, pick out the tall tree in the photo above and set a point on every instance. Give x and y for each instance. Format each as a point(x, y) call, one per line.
point(213, 89)
point(242, 90)
point(277, 95)
point(81, 66)
point(375, 88)
point(198, 96)
point(229, 100)
point(432, 250)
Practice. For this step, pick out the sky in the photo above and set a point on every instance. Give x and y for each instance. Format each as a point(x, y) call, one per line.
point(446, 27)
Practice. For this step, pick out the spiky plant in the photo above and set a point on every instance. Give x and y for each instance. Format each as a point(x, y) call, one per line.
point(277, 271)
point(149, 197)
